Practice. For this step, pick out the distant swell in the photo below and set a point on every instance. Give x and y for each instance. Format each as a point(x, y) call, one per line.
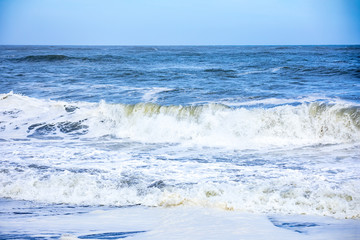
point(41, 58)
point(55, 58)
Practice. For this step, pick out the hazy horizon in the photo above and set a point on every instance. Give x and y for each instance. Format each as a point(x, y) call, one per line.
point(178, 45)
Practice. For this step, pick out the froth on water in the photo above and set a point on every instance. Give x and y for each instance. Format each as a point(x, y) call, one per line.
point(205, 125)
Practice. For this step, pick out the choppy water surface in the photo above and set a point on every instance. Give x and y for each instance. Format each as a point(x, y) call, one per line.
point(269, 133)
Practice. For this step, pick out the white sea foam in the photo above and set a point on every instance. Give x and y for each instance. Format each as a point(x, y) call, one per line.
point(208, 125)
point(276, 69)
point(293, 194)
point(151, 94)
point(287, 101)
point(160, 155)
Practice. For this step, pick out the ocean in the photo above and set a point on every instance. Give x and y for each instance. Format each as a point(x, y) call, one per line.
point(180, 142)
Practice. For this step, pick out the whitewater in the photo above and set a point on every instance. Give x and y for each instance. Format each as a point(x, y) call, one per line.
point(169, 142)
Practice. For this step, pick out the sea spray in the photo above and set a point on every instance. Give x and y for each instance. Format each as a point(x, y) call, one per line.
point(208, 125)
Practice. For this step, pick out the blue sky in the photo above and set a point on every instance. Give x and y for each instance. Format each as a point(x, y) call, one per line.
point(179, 22)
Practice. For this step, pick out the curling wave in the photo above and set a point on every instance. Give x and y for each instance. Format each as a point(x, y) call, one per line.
point(209, 125)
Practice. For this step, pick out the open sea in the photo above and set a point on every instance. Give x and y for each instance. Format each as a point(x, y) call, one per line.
point(179, 142)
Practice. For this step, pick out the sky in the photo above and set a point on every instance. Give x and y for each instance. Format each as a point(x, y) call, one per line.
point(179, 22)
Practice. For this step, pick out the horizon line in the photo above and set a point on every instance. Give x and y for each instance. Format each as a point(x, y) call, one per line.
point(180, 45)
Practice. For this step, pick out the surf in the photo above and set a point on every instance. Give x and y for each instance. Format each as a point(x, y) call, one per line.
point(208, 124)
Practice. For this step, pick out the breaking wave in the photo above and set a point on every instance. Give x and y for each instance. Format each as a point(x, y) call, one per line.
point(82, 175)
point(209, 124)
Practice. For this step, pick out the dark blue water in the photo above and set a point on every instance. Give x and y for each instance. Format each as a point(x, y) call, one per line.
point(187, 74)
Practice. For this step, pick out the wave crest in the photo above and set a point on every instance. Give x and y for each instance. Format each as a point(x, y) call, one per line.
point(209, 124)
